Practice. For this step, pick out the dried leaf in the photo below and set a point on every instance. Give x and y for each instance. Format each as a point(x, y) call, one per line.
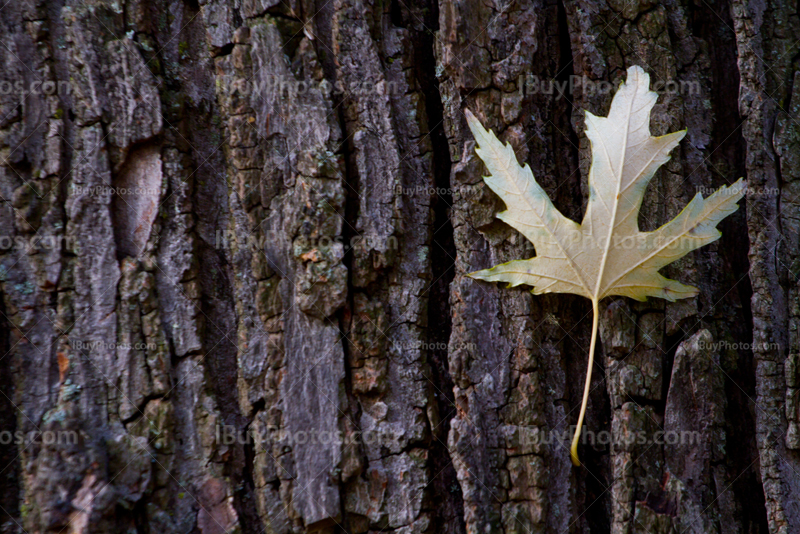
point(606, 254)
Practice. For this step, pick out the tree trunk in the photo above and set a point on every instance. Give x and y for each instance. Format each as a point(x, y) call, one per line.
point(235, 238)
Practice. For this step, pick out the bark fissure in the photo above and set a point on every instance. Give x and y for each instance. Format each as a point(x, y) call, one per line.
point(448, 516)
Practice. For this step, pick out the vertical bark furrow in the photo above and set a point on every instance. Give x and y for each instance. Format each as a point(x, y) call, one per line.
point(766, 54)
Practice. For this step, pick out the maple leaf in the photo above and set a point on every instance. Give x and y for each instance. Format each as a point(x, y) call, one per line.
point(606, 254)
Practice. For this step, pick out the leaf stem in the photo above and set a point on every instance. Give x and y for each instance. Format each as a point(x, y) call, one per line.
point(573, 452)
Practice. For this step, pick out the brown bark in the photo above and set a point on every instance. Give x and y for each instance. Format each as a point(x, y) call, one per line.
point(227, 219)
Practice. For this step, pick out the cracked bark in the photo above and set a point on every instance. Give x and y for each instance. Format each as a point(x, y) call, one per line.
point(234, 243)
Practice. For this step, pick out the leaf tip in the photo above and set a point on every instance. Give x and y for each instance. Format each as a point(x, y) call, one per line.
point(478, 275)
point(472, 120)
point(636, 70)
point(675, 290)
point(739, 187)
point(638, 78)
point(478, 131)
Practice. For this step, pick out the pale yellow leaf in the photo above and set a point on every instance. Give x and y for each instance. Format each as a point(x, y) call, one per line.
point(606, 254)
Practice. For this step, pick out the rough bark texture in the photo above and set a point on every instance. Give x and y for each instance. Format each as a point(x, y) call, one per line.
point(235, 235)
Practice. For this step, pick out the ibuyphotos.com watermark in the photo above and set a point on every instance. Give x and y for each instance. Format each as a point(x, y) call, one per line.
point(93, 346)
point(605, 438)
point(749, 192)
point(222, 239)
point(436, 345)
point(47, 88)
point(46, 437)
point(432, 191)
point(288, 87)
point(105, 190)
point(645, 241)
point(37, 242)
point(738, 345)
point(534, 85)
point(230, 435)
point(526, 438)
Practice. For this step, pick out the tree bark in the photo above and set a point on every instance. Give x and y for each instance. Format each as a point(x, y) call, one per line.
point(234, 239)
